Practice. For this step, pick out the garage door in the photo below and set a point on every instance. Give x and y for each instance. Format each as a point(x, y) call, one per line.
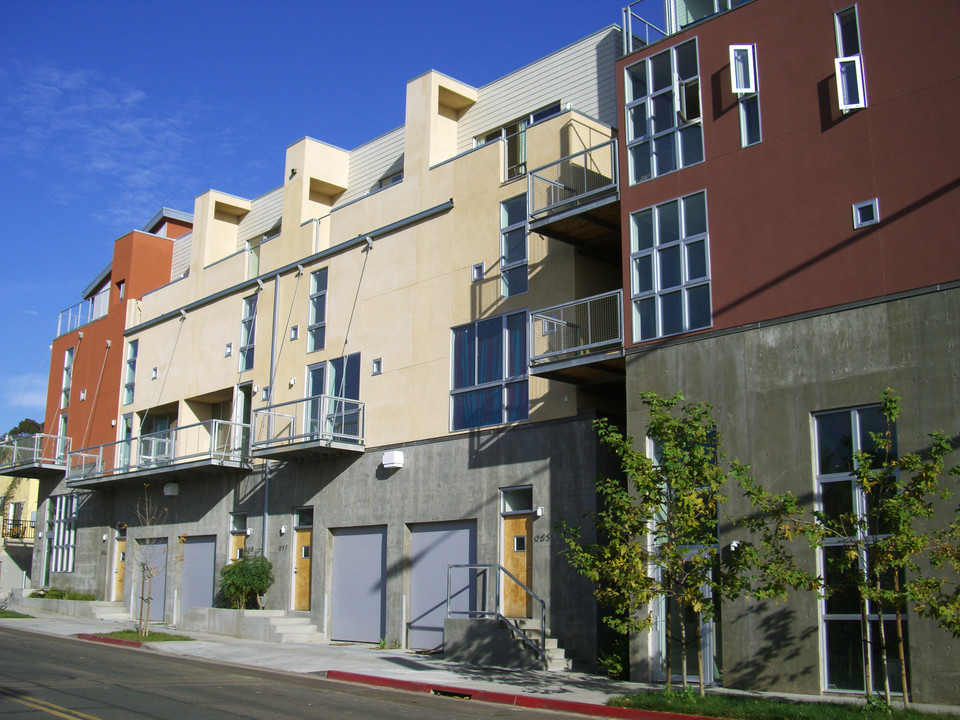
point(152, 556)
point(358, 610)
point(434, 546)
point(199, 559)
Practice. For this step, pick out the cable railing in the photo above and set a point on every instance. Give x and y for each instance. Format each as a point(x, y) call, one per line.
point(83, 312)
point(573, 180)
point(577, 328)
point(322, 418)
point(640, 30)
point(484, 599)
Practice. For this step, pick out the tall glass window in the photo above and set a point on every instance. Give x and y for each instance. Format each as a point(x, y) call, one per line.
point(130, 372)
point(67, 379)
point(248, 331)
point(514, 273)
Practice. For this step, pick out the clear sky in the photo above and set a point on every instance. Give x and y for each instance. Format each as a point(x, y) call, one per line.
point(111, 110)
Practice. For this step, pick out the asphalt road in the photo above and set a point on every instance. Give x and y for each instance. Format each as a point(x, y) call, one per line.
point(46, 677)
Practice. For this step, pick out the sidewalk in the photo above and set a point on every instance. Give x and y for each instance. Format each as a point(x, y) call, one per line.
point(400, 669)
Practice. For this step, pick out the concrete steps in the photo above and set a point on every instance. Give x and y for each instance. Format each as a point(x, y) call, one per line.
point(294, 629)
point(110, 611)
point(555, 657)
point(277, 626)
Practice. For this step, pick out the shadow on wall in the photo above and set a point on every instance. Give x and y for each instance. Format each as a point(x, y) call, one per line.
point(775, 644)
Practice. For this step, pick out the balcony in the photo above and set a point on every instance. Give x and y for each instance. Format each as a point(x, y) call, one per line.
point(576, 200)
point(320, 425)
point(84, 312)
point(579, 342)
point(211, 447)
point(34, 456)
point(17, 530)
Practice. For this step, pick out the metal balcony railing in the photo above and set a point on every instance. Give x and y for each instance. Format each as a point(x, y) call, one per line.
point(641, 30)
point(36, 449)
point(322, 418)
point(214, 440)
point(478, 597)
point(577, 328)
point(84, 312)
point(573, 180)
point(18, 530)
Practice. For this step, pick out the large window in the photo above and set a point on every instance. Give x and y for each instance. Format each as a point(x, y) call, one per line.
point(490, 372)
point(64, 542)
point(670, 268)
point(514, 275)
point(67, 379)
point(664, 124)
point(851, 85)
point(130, 372)
point(514, 136)
point(845, 554)
point(339, 413)
point(248, 331)
point(317, 329)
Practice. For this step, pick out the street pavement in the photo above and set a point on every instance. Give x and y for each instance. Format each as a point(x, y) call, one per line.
point(401, 669)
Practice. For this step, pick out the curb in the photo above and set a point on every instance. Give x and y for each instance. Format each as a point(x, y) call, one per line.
point(109, 640)
point(514, 700)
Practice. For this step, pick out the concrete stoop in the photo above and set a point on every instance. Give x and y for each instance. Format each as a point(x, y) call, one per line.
point(489, 642)
point(110, 611)
point(277, 626)
point(555, 656)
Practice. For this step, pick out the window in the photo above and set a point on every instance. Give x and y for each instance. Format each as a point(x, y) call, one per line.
point(743, 78)
point(490, 372)
point(62, 442)
point(253, 257)
point(64, 540)
point(389, 180)
point(514, 136)
point(839, 436)
point(334, 391)
point(513, 246)
point(848, 65)
point(866, 213)
point(130, 372)
point(248, 330)
point(317, 329)
point(670, 268)
point(664, 130)
point(67, 379)
point(691, 11)
point(126, 440)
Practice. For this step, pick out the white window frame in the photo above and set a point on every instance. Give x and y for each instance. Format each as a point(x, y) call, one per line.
point(130, 371)
point(67, 378)
point(64, 543)
point(317, 327)
point(743, 56)
point(512, 268)
point(858, 221)
point(849, 66)
point(248, 332)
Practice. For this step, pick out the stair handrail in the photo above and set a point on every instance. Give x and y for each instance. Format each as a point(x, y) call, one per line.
point(540, 649)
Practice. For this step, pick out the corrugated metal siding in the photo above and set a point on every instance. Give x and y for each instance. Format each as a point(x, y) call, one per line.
point(265, 213)
point(581, 75)
point(370, 162)
point(181, 256)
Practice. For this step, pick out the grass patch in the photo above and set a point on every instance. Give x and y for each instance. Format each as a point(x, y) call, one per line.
point(752, 708)
point(13, 614)
point(150, 637)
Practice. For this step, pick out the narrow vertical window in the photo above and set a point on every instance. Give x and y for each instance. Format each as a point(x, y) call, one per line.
point(130, 372)
point(64, 532)
point(317, 328)
point(745, 83)
point(848, 66)
point(513, 246)
point(67, 379)
point(248, 329)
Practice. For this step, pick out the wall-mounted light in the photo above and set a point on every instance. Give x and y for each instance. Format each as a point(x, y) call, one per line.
point(153, 374)
point(104, 538)
point(293, 381)
point(283, 529)
point(228, 350)
point(539, 511)
point(83, 395)
point(294, 332)
point(249, 531)
point(171, 489)
point(393, 459)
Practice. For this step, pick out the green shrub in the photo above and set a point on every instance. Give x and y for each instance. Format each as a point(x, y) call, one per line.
point(54, 593)
point(243, 581)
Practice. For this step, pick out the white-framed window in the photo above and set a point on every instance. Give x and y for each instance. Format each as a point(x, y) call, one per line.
point(745, 83)
point(839, 435)
point(490, 384)
point(848, 65)
point(130, 371)
point(248, 331)
point(670, 268)
point(663, 114)
point(514, 136)
point(317, 327)
point(333, 390)
point(253, 257)
point(866, 213)
point(126, 441)
point(64, 543)
point(67, 378)
point(62, 437)
point(514, 274)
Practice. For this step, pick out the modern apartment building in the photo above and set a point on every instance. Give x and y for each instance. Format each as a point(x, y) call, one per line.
point(788, 199)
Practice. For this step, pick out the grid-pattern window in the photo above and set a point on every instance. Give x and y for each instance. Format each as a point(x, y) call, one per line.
point(745, 82)
point(64, 542)
point(67, 379)
point(845, 554)
point(664, 123)
point(514, 136)
point(490, 372)
point(670, 268)
point(851, 84)
point(317, 329)
point(514, 274)
point(130, 372)
point(248, 331)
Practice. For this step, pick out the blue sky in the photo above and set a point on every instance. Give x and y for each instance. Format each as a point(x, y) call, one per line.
point(110, 110)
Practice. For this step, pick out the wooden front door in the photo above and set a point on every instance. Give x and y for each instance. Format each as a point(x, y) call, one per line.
point(517, 546)
point(238, 543)
point(301, 569)
point(119, 570)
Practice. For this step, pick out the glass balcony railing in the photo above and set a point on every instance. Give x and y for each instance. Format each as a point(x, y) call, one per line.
point(33, 450)
point(320, 419)
point(573, 180)
point(578, 328)
point(83, 312)
point(214, 441)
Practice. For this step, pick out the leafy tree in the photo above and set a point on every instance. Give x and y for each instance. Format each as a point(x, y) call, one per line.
point(658, 530)
point(243, 581)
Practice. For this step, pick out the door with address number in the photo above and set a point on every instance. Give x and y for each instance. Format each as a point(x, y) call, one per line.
point(303, 551)
point(517, 546)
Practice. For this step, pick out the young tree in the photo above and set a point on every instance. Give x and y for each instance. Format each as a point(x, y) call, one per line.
point(149, 514)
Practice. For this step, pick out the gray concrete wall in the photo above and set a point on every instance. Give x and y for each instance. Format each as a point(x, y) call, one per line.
point(764, 384)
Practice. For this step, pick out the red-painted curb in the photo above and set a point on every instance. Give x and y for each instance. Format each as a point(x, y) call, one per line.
point(109, 640)
point(524, 701)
